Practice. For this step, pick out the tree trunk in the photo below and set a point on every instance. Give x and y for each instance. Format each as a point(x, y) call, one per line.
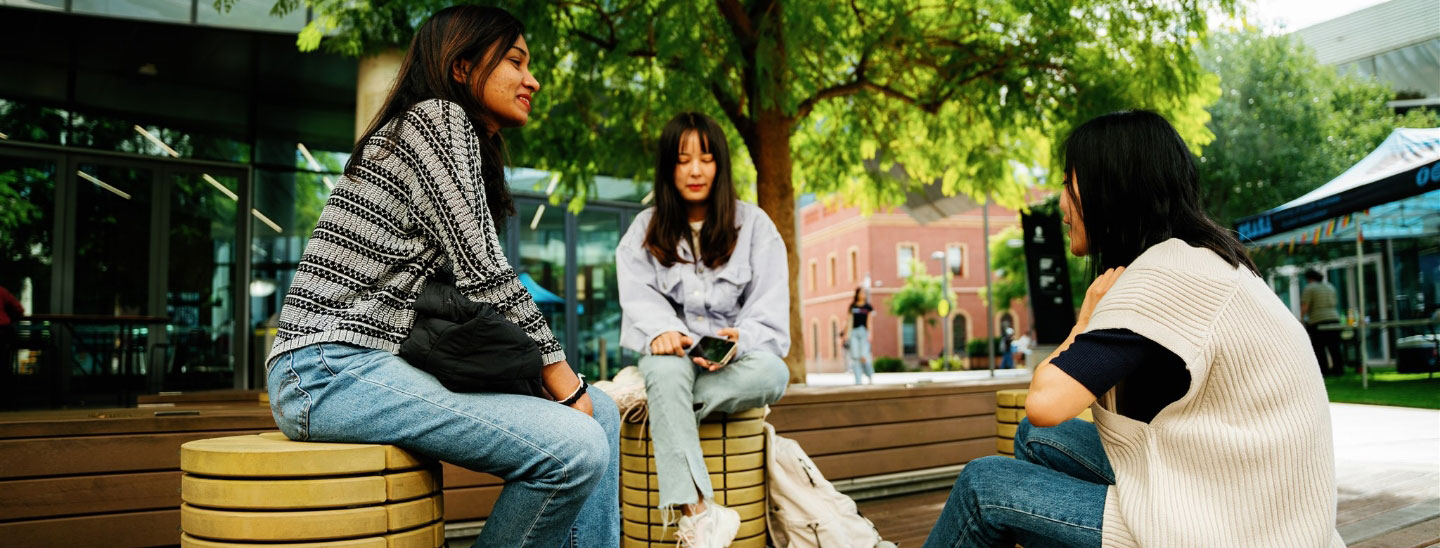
point(771, 154)
point(373, 80)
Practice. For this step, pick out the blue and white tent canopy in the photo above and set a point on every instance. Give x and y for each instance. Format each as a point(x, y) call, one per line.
point(1399, 182)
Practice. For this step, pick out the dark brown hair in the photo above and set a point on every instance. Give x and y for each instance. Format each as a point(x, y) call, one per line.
point(671, 223)
point(480, 36)
point(1139, 187)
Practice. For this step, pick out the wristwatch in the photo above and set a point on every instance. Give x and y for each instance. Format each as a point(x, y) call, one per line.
point(567, 402)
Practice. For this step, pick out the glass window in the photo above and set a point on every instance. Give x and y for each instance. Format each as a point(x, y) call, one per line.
point(854, 265)
point(904, 257)
point(286, 207)
point(813, 275)
point(27, 205)
point(542, 261)
point(909, 338)
point(155, 10)
point(53, 5)
point(250, 15)
point(834, 338)
point(830, 272)
point(598, 233)
point(112, 239)
point(958, 327)
point(955, 259)
point(31, 123)
point(815, 336)
point(200, 298)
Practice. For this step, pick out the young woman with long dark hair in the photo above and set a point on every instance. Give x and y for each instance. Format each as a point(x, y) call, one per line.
point(1211, 422)
point(422, 193)
point(701, 263)
point(857, 343)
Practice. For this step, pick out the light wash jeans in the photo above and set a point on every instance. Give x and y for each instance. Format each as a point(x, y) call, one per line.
point(681, 393)
point(1051, 495)
point(561, 468)
point(857, 354)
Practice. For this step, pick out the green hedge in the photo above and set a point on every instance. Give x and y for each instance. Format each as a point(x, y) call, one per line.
point(976, 347)
point(889, 365)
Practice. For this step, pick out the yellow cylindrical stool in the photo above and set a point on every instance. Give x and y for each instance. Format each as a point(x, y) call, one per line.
point(265, 490)
point(1009, 409)
point(734, 450)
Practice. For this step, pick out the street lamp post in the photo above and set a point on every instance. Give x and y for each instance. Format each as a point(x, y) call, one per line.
point(945, 325)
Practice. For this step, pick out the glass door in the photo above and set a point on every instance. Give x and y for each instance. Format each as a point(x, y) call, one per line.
point(197, 349)
point(29, 191)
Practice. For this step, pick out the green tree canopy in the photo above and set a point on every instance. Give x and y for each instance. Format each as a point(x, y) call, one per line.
point(1285, 124)
point(920, 296)
point(857, 101)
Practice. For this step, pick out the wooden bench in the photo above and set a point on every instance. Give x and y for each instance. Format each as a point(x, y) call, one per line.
point(112, 477)
point(864, 431)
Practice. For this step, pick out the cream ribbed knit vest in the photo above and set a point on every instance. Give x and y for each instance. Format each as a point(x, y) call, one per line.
point(1245, 458)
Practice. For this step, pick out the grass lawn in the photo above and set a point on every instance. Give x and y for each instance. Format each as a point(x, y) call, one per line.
point(1387, 388)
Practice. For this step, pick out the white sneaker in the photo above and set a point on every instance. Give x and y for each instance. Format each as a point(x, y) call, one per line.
point(713, 528)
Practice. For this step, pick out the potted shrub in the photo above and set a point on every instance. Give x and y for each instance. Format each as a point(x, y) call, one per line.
point(975, 348)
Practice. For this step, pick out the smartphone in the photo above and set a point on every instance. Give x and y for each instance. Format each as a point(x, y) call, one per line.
point(714, 349)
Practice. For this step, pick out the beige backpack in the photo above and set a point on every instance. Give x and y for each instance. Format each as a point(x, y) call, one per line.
point(805, 509)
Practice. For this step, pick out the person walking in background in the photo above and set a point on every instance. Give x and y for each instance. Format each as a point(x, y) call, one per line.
point(1007, 349)
point(1212, 425)
point(701, 263)
point(858, 358)
point(1319, 306)
point(1021, 347)
point(423, 192)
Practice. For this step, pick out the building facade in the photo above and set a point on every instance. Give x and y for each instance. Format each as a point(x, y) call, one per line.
point(841, 249)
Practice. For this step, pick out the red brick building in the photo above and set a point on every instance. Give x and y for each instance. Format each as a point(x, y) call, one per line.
point(840, 248)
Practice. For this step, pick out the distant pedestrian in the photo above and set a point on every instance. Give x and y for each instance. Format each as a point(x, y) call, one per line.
point(1021, 348)
point(858, 358)
point(1007, 356)
point(1319, 307)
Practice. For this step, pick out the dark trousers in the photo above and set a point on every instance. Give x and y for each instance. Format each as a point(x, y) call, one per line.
point(1327, 341)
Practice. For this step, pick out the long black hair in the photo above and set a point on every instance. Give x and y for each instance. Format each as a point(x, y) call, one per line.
point(1137, 188)
point(479, 36)
point(671, 223)
point(855, 301)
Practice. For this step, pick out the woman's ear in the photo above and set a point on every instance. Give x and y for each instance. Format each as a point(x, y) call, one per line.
point(460, 71)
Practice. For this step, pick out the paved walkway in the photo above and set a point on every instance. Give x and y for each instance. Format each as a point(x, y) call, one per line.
point(1387, 465)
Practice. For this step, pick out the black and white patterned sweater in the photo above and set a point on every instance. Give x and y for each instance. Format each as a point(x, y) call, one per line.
point(413, 203)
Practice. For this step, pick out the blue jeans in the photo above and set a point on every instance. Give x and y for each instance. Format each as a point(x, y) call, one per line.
point(561, 468)
point(857, 354)
point(680, 394)
point(1052, 494)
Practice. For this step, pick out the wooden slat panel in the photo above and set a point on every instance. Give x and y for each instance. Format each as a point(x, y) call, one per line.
point(887, 461)
point(53, 497)
point(456, 476)
point(804, 395)
point(131, 421)
point(470, 503)
point(865, 438)
point(850, 414)
point(134, 529)
point(248, 396)
point(96, 454)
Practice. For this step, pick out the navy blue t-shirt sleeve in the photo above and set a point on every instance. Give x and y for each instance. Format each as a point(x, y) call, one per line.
point(1101, 359)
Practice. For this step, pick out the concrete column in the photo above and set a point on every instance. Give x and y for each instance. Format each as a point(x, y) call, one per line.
point(373, 81)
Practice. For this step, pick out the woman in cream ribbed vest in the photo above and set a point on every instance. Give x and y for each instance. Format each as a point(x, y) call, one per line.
point(1211, 421)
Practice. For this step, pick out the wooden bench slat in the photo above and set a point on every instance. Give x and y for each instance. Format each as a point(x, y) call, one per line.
point(470, 503)
point(901, 434)
point(96, 454)
point(858, 413)
point(919, 457)
point(456, 476)
point(66, 496)
point(124, 530)
point(51, 424)
point(806, 395)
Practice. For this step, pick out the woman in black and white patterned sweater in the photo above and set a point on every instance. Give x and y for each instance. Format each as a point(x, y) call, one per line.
point(424, 191)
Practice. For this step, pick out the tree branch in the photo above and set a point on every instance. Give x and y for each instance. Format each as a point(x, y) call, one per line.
point(740, 23)
point(733, 110)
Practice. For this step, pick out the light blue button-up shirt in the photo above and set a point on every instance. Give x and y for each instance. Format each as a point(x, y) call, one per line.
point(751, 292)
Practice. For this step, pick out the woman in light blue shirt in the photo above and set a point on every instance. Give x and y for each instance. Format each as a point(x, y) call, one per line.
point(701, 263)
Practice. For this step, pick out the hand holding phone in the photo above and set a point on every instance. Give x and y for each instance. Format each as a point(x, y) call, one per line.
point(714, 352)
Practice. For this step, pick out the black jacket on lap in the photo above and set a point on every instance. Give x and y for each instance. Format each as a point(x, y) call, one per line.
point(469, 346)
